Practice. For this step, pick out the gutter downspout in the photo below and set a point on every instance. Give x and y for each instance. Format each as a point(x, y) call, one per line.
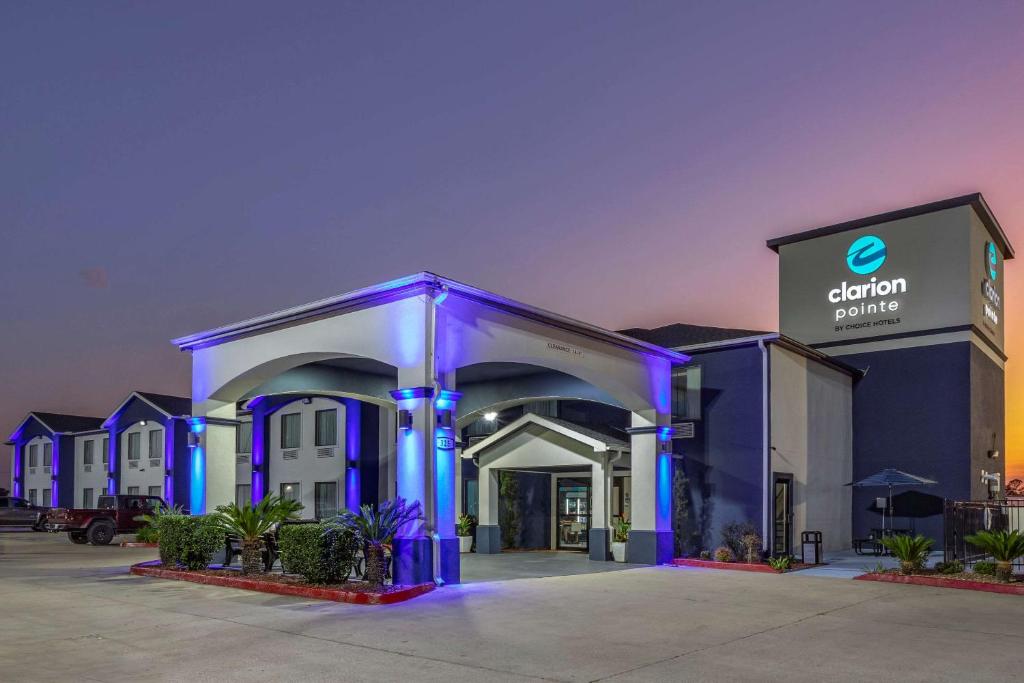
point(766, 435)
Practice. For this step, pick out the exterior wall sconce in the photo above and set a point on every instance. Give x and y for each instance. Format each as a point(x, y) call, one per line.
point(405, 419)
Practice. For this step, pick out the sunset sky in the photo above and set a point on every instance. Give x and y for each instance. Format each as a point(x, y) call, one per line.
point(168, 168)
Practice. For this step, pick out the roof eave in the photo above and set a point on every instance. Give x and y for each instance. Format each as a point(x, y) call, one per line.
point(974, 200)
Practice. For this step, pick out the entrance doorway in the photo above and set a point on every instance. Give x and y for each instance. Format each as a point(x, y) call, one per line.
point(782, 537)
point(572, 518)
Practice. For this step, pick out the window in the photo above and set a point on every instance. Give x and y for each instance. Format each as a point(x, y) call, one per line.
point(32, 496)
point(156, 444)
point(686, 383)
point(326, 500)
point(33, 455)
point(133, 490)
point(47, 454)
point(243, 495)
point(291, 491)
point(107, 503)
point(243, 438)
point(47, 497)
point(290, 426)
point(87, 453)
point(327, 427)
point(156, 491)
point(106, 449)
point(471, 503)
point(87, 498)
point(135, 446)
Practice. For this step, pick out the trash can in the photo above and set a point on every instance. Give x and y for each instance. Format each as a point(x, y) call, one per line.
point(810, 547)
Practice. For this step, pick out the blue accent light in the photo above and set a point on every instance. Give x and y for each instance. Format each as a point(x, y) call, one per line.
point(197, 499)
point(992, 260)
point(663, 509)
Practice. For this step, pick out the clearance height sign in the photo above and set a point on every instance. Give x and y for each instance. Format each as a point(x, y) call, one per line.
point(931, 272)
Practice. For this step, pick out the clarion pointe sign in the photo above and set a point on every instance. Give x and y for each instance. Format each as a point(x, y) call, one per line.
point(929, 273)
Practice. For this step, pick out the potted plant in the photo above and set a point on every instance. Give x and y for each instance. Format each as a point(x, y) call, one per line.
point(911, 551)
point(376, 529)
point(464, 530)
point(1003, 546)
point(620, 534)
point(250, 523)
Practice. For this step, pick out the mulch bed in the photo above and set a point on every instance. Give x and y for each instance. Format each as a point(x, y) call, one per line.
point(965, 581)
point(356, 593)
point(136, 544)
point(762, 567)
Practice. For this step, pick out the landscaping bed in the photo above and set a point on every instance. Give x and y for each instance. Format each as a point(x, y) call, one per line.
point(356, 593)
point(762, 567)
point(963, 581)
point(137, 544)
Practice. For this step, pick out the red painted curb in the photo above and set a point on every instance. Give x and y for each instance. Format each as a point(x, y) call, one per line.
point(713, 564)
point(936, 582)
point(133, 544)
point(334, 594)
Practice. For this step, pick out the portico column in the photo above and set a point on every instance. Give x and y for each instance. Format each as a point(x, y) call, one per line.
point(488, 533)
point(212, 462)
point(412, 551)
point(599, 531)
point(650, 537)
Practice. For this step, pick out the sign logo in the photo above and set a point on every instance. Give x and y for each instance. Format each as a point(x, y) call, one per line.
point(991, 260)
point(866, 255)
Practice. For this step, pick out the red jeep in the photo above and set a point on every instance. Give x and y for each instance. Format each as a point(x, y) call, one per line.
point(113, 515)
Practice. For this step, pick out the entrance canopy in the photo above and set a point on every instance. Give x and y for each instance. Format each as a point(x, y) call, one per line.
point(538, 442)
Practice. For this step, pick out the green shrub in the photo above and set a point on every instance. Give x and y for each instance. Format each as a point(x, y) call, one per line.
point(723, 554)
point(705, 554)
point(172, 531)
point(911, 551)
point(985, 568)
point(752, 548)
point(465, 525)
point(1003, 546)
point(203, 538)
point(620, 530)
point(954, 567)
point(147, 534)
point(320, 553)
point(780, 564)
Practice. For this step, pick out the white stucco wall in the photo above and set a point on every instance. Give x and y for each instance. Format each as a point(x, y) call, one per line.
point(307, 468)
point(145, 475)
point(812, 439)
point(96, 478)
point(37, 478)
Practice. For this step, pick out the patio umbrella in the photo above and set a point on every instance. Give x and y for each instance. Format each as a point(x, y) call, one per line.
point(892, 478)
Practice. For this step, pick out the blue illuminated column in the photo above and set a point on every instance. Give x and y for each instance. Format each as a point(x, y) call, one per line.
point(353, 445)
point(197, 486)
point(650, 538)
point(259, 459)
point(18, 482)
point(411, 551)
point(113, 459)
point(445, 463)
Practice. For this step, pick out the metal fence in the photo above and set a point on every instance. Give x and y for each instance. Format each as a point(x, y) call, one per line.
point(963, 518)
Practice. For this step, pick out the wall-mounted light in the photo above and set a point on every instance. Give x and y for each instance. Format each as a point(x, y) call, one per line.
point(142, 423)
point(491, 416)
point(307, 400)
point(405, 419)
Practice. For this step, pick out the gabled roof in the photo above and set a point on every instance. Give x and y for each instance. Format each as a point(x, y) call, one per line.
point(681, 334)
point(169, 406)
point(409, 286)
point(596, 440)
point(59, 423)
point(974, 200)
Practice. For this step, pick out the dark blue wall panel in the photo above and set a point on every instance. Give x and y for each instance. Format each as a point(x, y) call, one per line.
point(724, 460)
point(912, 411)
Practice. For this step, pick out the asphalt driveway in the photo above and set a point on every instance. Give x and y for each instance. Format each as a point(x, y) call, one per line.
point(73, 613)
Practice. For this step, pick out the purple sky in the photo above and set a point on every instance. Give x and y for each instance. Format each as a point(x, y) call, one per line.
point(164, 169)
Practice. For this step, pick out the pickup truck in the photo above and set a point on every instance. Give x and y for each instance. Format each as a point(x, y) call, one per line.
point(16, 511)
point(112, 515)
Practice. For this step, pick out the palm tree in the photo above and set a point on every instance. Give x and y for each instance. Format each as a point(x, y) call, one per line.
point(1003, 546)
point(911, 551)
point(250, 523)
point(377, 528)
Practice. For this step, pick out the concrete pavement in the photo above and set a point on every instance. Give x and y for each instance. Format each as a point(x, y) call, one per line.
point(73, 613)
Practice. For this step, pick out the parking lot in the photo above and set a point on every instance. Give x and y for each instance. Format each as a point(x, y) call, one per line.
point(73, 613)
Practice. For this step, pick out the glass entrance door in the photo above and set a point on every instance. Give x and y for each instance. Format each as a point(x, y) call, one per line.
point(573, 514)
point(783, 515)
